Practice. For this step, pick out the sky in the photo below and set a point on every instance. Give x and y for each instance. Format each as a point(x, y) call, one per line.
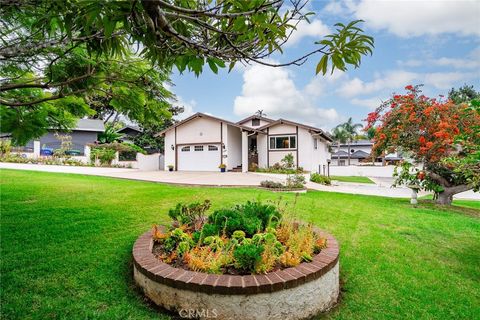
point(429, 42)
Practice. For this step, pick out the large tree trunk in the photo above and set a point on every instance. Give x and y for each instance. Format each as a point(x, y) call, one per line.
point(446, 196)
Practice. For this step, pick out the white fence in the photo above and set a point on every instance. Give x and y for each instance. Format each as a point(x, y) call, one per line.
point(363, 171)
point(150, 162)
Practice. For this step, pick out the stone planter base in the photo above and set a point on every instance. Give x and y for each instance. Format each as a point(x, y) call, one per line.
point(294, 293)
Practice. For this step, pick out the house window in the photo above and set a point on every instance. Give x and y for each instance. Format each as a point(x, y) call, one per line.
point(186, 149)
point(315, 143)
point(283, 142)
point(255, 122)
point(341, 163)
point(212, 148)
point(198, 148)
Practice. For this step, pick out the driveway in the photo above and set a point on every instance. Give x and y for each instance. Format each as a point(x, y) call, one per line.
point(382, 186)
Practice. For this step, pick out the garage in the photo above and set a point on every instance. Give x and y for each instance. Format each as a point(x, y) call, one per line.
point(199, 157)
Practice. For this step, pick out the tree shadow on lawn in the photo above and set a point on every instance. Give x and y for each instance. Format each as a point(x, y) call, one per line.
point(429, 204)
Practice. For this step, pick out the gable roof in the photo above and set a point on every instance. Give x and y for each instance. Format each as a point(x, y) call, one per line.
point(359, 154)
point(319, 131)
point(203, 115)
point(255, 117)
point(127, 127)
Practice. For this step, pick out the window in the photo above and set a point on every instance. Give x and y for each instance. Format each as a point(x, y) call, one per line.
point(283, 142)
point(341, 163)
point(198, 148)
point(212, 148)
point(315, 143)
point(255, 122)
point(186, 149)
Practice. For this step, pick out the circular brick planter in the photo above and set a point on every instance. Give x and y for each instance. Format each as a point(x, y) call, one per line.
point(293, 293)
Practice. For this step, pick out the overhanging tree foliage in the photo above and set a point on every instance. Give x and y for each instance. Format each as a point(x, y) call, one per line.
point(77, 48)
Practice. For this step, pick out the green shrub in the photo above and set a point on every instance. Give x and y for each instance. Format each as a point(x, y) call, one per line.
point(317, 178)
point(250, 218)
point(210, 229)
point(247, 256)
point(271, 184)
point(296, 181)
point(192, 214)
point(288, 161)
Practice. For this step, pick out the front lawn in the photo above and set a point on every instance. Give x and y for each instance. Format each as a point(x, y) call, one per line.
point(66, 245)
point(355, 179)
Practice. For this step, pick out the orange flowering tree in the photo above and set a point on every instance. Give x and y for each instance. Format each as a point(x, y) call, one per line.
point(440, 136)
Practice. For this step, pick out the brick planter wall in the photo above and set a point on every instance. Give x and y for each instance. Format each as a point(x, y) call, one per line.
point(292, 293)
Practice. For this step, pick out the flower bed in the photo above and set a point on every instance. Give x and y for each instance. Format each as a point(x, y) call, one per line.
point(249, 262)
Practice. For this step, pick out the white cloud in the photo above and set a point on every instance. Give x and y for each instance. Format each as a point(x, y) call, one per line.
point(471, 61)
point(391, 80)
point(370, 103)
point(273, 91)
point(316, 29)
point(398, 79)
point(188, 107)
point(406, 18)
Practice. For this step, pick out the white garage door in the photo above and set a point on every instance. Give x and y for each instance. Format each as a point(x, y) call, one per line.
point(196, 157)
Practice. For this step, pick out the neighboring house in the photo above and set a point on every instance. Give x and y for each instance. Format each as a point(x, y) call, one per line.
point(360, 152)
point(203, 142)
point(85, 132)
point(129, 132)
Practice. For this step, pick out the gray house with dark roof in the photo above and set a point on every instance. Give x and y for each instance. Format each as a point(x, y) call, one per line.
point(85, 132)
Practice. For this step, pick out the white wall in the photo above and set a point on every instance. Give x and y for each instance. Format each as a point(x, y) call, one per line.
point(262, 150)
point(277, 156)
point(282, 129)
point(233, 147)
point(367, 171)
point(148, 162)
point(168, 152)
point(199, 130)
point(306, 154)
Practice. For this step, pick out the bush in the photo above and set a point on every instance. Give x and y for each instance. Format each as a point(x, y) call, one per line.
point(248, 238)
point(296, 181)
point(271, 184)
point(317, 178)
point(5, 147)
point(247, 256)
point(287, 161)
point(105, 155)
point(250, 218)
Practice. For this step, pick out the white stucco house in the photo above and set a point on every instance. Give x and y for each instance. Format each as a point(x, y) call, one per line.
point(203, 142)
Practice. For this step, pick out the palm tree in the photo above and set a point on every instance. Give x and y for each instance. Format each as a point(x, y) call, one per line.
point(340, 136)
point(350, 129)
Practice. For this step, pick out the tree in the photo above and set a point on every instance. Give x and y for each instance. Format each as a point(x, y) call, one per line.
point(340, 136)
point(438, 135)
point(149, 139)
point(71, 48)
point(464, 94)
point(350, 130)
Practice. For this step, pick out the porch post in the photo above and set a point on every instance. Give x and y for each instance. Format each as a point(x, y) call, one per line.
point(244, 151)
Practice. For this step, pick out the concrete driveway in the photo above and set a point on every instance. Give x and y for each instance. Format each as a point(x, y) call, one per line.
point(382, 186)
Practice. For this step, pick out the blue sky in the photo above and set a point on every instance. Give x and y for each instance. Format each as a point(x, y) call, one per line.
point(435, 43)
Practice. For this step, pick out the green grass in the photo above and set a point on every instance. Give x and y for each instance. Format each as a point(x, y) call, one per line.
point(66, 245)
point(355, 179)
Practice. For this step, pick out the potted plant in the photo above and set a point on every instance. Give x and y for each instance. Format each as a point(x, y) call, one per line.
point(222, 167)
point(170, 167)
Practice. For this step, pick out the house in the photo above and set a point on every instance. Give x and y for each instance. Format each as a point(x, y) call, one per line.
point(360, 152)
point(85, 132)
point(129, 132)
point(202, 142)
